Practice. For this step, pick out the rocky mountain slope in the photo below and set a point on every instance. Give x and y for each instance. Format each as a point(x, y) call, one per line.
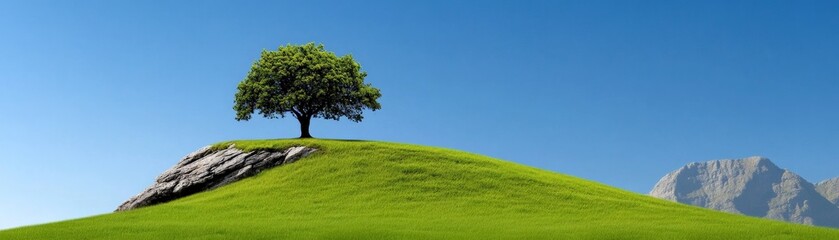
point(752, 186)
point(830, 190)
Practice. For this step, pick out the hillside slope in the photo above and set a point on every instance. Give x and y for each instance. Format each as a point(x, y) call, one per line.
point(376, 190)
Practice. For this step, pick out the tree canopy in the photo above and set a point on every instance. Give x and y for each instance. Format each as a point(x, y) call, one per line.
point(305, 81)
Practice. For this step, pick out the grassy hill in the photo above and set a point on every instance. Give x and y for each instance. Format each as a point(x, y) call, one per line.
point(377, 190)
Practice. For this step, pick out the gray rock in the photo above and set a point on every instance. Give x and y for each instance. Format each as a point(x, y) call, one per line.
point(207, 169)
point(830, 190)
point(751, 186)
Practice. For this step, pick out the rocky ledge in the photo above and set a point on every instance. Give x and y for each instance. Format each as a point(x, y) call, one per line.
point(210, 168)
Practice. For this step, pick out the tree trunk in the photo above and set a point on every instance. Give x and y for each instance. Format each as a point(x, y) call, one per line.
point(304, 127)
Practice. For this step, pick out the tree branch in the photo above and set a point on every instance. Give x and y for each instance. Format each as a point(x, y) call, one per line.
point(296, 113)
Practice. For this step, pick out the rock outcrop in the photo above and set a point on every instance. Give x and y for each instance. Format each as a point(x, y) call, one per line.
point(209, 168)
point(751, 186)
point(830, 190)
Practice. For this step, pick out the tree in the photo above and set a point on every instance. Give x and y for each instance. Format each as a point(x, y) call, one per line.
point(305, 81)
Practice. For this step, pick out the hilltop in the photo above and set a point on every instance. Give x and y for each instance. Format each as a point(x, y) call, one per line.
point(379, 190)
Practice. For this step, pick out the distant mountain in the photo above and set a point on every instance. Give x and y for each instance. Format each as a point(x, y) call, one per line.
point(752, 186)
point(830, 190)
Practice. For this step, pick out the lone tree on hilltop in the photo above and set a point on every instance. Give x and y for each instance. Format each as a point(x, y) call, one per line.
point(305, 81)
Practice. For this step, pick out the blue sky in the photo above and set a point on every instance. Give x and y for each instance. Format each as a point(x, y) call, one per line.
point(98, 98)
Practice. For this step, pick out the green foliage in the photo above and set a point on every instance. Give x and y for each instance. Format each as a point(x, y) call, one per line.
point(378, 190)
point(305, 81)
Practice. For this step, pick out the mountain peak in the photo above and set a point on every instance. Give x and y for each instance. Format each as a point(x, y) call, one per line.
point(829, 181)
point(758, 160)
point(753, 161)
point(751, 186)
point(829, 189)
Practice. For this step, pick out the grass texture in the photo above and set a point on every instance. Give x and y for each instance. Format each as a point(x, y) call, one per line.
point(379, 190)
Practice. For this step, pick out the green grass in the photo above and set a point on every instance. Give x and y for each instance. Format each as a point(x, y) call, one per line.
point(378, 190)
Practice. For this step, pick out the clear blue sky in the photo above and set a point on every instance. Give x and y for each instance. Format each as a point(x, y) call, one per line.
point(98, 98)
